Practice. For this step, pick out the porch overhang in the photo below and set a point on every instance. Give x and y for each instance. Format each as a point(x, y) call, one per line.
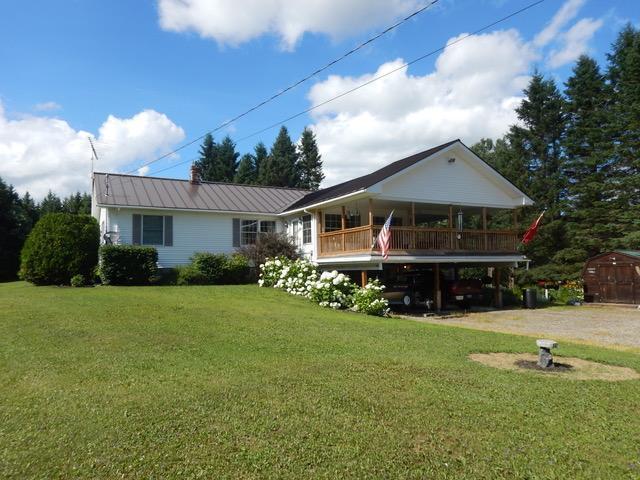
point(375, 262)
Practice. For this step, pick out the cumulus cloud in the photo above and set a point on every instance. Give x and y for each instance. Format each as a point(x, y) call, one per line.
point(471, 94)
point(47, 106)
point(238, 21)
point(40, 153)
point(574, 42)
point(567, 12)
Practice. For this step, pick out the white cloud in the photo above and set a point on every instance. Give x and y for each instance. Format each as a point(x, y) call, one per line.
point(47, 106)
point(40, 153)
point(567, 12)
point(238, 21)
point(471, 94)
point(574, 42)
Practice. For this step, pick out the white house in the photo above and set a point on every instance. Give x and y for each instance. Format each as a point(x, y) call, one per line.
point(443, 201)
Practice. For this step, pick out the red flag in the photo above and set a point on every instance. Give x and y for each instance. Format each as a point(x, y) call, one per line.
point(533, 229)
point(384, 238)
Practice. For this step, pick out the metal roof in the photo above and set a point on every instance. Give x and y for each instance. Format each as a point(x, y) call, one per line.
point(165, 193)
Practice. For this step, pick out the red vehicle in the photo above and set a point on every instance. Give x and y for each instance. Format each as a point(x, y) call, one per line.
point(465, 292)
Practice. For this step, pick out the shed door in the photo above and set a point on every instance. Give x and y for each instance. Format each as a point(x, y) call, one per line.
point(616, 283)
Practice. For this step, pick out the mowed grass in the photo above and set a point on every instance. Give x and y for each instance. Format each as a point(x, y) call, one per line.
point(242, 382)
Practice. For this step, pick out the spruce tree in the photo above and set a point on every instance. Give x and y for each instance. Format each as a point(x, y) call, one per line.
point(587, 149)
point(281, 167)
point(208, 158)
point(260, 157)
point(246, 173)
point(227, 161)
point(50, 204)
point(537, 143)
point(12, 232)
point(310, 161)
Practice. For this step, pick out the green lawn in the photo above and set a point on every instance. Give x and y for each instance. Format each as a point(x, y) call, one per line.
point(242, 382)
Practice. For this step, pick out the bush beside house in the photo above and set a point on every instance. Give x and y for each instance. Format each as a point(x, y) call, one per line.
point(128, 265)
point(59, 247)
point(214, 269)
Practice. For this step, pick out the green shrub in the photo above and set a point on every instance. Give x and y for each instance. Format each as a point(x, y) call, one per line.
point(189, 275)
point(78, 281)
point(369, 299)
point(237, 270)
point(60, 246)
point(128, 265)
point(211, 266)
point(214, 269)
point(269, 245)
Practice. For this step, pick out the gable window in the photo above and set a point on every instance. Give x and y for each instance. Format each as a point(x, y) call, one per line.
point(306, 229)
point(249, 230)
point(152, 230)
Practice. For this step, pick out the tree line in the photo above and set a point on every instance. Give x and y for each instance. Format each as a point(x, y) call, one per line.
point(576, 152)
point(284, 165)
point(18, 215)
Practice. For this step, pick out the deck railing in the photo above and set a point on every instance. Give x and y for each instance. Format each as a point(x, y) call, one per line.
point(417, 241)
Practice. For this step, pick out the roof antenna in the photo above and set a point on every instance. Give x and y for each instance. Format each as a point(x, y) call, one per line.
point(106, 185)
point(94, 154)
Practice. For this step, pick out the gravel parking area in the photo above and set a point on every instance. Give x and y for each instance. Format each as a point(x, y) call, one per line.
point(605, 326)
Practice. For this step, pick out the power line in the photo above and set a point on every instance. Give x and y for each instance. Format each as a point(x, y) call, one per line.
point(374, 79)
point(295, 84)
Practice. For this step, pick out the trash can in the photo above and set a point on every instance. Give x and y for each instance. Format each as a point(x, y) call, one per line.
point(530, 298)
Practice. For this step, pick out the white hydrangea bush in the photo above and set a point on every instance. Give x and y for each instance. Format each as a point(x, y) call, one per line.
point(369, 299)
point(327, 289)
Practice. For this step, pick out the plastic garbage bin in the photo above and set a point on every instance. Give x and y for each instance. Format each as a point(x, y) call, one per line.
point(530, 298)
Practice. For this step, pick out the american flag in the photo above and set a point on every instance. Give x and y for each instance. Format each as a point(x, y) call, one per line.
point(384, 238)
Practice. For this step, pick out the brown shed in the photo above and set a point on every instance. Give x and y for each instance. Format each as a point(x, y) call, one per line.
point(613, 277)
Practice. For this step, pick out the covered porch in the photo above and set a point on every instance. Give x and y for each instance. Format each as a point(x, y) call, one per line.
point(417, 229)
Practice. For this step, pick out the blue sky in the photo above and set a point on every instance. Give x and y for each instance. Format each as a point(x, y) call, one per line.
point(144, 77)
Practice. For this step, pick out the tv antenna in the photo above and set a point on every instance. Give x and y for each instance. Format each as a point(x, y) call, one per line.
point(94, 154)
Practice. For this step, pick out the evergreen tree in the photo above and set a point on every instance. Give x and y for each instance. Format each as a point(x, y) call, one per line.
point(227, 161)
point(310, 161)
point(537, 142)
point(208, 158)
point(623, 73)
point(50, 204)
point(260, 157)
point(281, 167)
point(587, 165)
point(30, 212)
point(246, 173)
point(12, 232)
point(77, 203)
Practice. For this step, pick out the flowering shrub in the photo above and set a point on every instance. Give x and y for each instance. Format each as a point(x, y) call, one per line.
point(329, 289)
point(369, 299)
point(333, 290)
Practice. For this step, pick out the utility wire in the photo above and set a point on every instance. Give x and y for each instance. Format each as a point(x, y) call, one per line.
point(295, 84)
point(374, 79)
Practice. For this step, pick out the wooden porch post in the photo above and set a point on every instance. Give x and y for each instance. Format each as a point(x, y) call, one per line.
point(437, 298)
point(371, 212)
point(343, 225)
point(452, 243)
point(497, 294)
point(363, 278)
point(484, 228)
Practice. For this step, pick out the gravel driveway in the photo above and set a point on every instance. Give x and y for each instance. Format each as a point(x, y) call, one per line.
point(606, 326)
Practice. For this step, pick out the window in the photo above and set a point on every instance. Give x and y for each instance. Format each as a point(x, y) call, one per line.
point(306, 229)
point(249, 230)
point(152, 230)
point(332, 222)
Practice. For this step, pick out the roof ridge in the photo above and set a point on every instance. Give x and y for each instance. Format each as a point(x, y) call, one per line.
point(204, 181)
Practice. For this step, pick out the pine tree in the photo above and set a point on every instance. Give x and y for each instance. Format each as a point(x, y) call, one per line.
point(260, 157)
point(623, 73)
point(587, 149)
point(537, 142)
point(281, 167)
point(208, 158)
point(50, 204)
point(227, 161)
point(30, 212)
point(246, 173)
point(310, 161)
point(12, 231)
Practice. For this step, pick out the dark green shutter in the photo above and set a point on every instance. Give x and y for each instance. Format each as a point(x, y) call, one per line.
point(236, 232)
point(168, 231)
point(136, 231)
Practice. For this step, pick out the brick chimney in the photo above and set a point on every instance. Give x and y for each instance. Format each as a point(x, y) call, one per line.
point(194, 176)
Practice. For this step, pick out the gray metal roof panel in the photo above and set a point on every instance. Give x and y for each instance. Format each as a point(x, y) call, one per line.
point(164, 193)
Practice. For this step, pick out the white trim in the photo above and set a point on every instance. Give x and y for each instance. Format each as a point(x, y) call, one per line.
point(324, 202)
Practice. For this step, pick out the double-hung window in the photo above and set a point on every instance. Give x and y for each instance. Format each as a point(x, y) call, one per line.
point(152, 230)
point(249, 230)
point(306, 229)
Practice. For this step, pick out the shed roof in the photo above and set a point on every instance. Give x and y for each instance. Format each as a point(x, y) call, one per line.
point(165, 193)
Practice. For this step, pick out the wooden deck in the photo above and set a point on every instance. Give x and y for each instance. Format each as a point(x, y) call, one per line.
point(418, 241)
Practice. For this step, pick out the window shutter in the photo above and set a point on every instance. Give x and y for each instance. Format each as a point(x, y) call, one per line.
point(136, 231)
point(236, 232)
point(168, 231)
